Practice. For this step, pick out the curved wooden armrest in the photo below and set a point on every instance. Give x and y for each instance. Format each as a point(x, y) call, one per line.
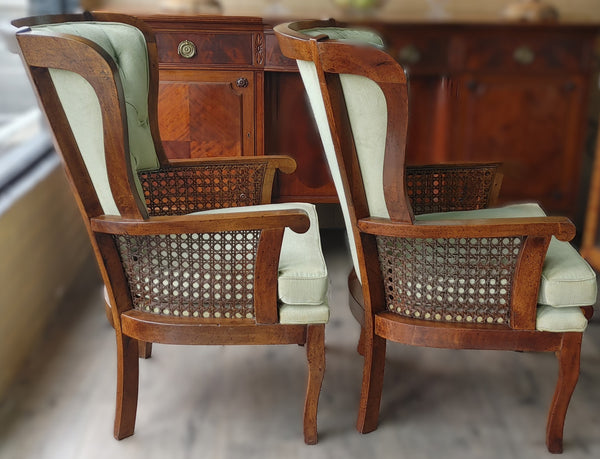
point(560, 227)
point(285, 164)
point(295, 219)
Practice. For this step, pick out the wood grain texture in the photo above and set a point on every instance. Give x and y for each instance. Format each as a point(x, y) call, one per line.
point(217, 113)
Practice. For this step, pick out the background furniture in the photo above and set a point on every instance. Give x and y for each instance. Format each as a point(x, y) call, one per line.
point(510, 92)
point(250, 275)
point(589, 243)
point(433, 266)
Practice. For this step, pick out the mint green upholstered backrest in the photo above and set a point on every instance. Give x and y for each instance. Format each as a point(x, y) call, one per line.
point(127, 46)
point(367, 111)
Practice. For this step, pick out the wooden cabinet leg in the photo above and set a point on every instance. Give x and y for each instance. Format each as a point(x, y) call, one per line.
point(568, 374)
point(372, 384)
point(127, 386)
point(315, 353)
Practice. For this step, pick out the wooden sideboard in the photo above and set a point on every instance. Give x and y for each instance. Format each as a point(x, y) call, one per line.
point(510, 92)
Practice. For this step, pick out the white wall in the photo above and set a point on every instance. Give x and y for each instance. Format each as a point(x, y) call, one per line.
point(44, 251)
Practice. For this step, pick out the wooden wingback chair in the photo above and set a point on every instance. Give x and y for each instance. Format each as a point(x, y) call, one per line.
point(434, 265)
point(191, 252)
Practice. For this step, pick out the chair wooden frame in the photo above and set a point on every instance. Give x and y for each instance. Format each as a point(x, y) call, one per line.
point(368, 303)
point(135, 329)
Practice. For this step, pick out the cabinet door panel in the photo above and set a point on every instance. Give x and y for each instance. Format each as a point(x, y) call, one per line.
point(291, 130)
point(207, 113)
point(429, 105)
point(531, 125)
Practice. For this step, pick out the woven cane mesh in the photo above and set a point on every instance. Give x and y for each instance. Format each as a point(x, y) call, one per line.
point(182, 190)
point(449, 188)
point(208, 275)
point(452, 280)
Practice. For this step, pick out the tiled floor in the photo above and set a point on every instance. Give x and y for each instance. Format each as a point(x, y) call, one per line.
point(246, 402)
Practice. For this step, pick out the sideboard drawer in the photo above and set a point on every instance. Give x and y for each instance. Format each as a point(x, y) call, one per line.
point(419, 53)
point(202, 48)
point(523, 53)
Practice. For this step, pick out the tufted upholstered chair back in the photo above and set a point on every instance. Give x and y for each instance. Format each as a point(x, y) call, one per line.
point(126, 46)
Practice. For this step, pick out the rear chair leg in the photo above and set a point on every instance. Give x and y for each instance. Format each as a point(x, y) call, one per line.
point(315, 354)
point(568, 374)
point(127, 385)
point(372, 384)
point(145, 349)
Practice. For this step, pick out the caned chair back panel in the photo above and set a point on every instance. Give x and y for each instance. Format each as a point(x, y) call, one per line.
point(126, 46)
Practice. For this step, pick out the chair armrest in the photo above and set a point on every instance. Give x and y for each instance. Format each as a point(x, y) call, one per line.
point(191, 185)
point(497, 263)
point(448, 187)
point(560, 227)
point(295, 219)
point(285, 164)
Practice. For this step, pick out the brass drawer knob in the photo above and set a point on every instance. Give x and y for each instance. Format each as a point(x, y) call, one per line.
point(524, 55)
point(409, 54)
point(186, 49)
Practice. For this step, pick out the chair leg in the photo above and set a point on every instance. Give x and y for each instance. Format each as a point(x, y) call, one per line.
point(127, 386)
point(315, 354)
point(145, 349)
point(372, 384)
point(568, 374)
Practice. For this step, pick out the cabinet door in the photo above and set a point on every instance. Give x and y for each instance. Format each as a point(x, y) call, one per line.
point(532, 124)
point(291, 130)
point(206, 113)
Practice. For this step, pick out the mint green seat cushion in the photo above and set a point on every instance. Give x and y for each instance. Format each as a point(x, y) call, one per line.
point(302, 281)
point(127, 47)
point(567, 280)
point(557, 320)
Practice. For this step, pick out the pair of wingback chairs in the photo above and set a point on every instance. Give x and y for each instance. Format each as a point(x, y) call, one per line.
point(191, 252)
